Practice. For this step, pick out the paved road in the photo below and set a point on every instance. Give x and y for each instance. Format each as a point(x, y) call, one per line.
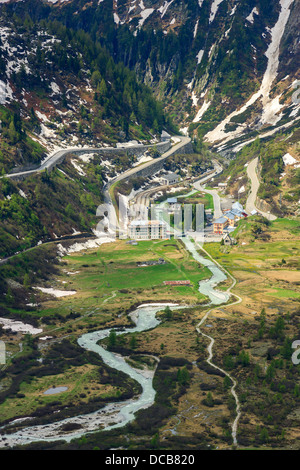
point(108, 210)
point(50, 160)
point(57, 156)
point(250, 204)
point(214, 193)
point(183, 141)
point(143, 197)
point(132, 171)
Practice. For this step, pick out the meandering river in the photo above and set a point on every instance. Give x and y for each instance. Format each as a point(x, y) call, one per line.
point(117, 414)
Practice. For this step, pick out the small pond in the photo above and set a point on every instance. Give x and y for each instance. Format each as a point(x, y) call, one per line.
point(53, 390)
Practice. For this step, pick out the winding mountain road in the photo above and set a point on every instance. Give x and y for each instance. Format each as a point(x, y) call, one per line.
point(132, 171)
point(214, 193)
point(36, 433)
point(250, 204)
point(50, 161)
point(58, 156)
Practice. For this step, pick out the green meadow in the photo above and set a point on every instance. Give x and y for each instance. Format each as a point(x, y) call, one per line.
point(114, 266)
point(201, 198)
point(265, 262)
point(285, 293)
point(110, 278)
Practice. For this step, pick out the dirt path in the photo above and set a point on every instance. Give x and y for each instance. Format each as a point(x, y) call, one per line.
point(210, 352)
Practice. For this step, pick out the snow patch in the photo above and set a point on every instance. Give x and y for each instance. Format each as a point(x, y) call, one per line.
point(42, 116)
point(270, 107)
point(250, 18)
point(56, 292)
point(214, 9)
point(163, 9)
point(233, 10)
point(19, 326)
point(5, 92)
point(145, 14)
point(200, 56)
point(202, 110)
point(196, 28)
point(116, 19)
point(194, 99)
point(143, 159)
point(184, 130)
point(55, 88)
point(86, 157)
point(78, 168)
point(22, 194)
point(88, 245)
point(288, 159)
point(271, 110)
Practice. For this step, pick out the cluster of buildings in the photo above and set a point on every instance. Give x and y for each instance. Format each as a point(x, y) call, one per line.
point(227, 222)
point(155, 229)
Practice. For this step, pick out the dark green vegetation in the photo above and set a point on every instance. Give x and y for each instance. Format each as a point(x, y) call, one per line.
point(47, 205)
point(259, 355)
point(28, 379)
point(99, 70)
point(258, 348)
point(106, 68)
point(22, 271)
point(54, 203)
point(15, 144)
point(171, 382)
point(193, 164)
point(90, 383)
point(163, 57)
point(116, 108)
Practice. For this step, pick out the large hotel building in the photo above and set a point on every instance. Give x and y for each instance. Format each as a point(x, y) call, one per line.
point(147, 230)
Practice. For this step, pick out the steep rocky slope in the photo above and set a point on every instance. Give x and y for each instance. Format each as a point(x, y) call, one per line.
point(226, 70)
point(60, 87)
point(74, 72)
point(235, 66)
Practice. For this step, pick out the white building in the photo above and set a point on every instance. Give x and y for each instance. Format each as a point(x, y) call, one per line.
point(147, 230)
point(171, 178)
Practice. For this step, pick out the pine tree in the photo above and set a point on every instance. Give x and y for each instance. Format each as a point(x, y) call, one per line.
point(112, 339)
point(133, 342)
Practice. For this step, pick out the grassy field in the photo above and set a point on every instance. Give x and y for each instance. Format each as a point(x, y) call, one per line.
point(265, 264)
point(201, 198)
point(82, 383)
point(108, 282)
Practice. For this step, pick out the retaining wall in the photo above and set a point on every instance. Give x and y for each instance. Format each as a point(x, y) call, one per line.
point(155, 166)
point(162, 147)
point(139, 150)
